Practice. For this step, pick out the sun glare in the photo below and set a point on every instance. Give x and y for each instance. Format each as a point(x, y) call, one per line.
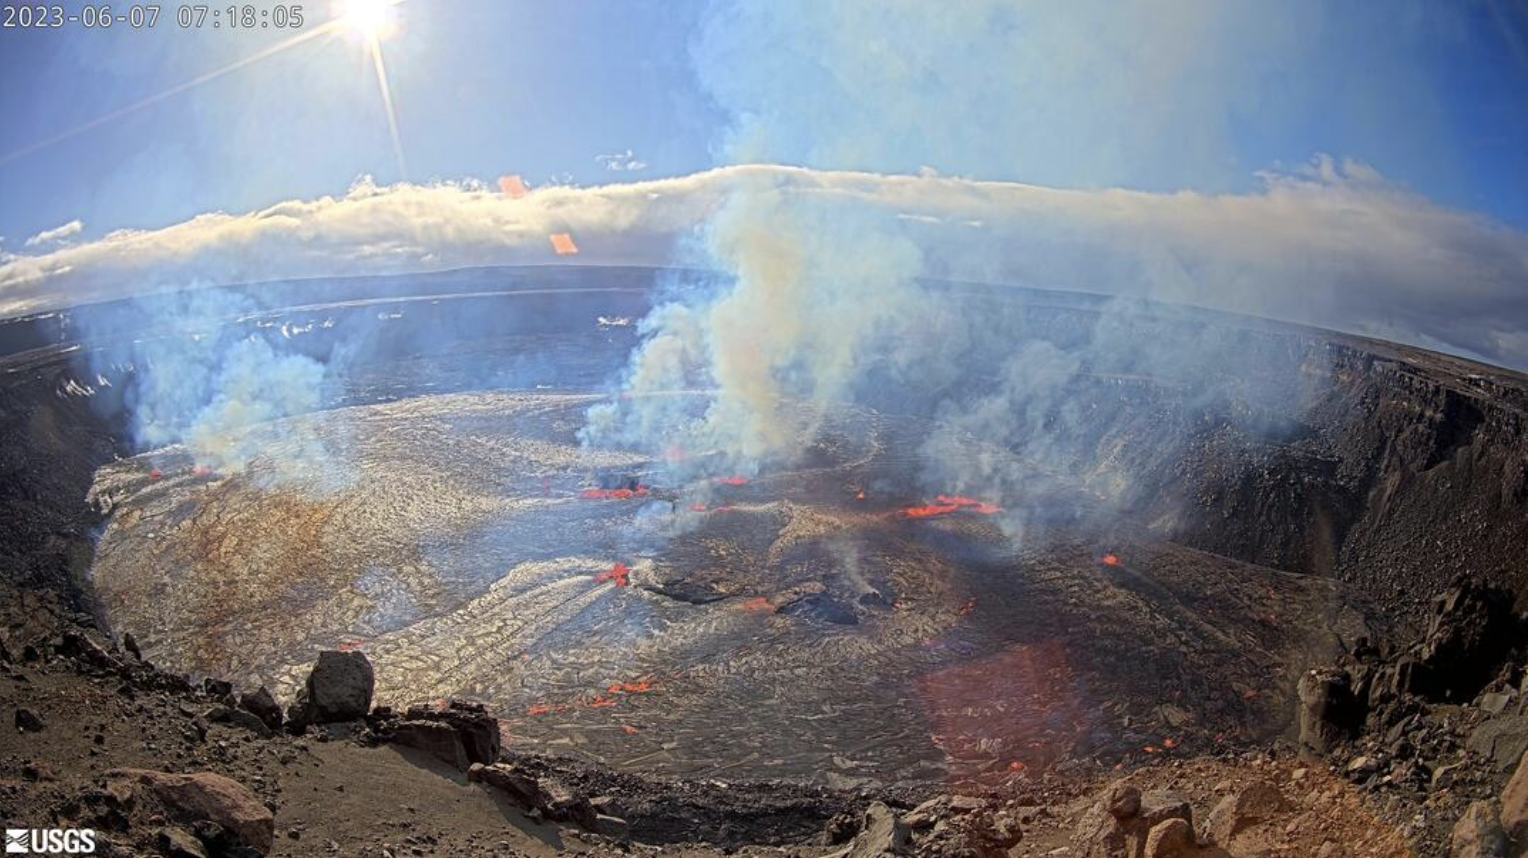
point(371, 19)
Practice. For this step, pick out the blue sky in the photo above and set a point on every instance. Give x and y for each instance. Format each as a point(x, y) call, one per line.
point(1432, 96)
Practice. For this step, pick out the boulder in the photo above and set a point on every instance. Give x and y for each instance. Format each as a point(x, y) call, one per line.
point(1099, 834)
point(478, 732)
point(1123, 800)
point(925, 814)
point(1171, 838)
point(88, 648)
point(1513, 803)
point(237, 718)
point(519, 787)
point(1159, 806)
point(1503, 739)
point(28, 721)
point(435, 738)
point(204, 796)
point(1328, 711)
point(264, 706)
point(1473, 629)
point(882, 834)
point(339, 688)
point(1250, 806)
point(1478, 833)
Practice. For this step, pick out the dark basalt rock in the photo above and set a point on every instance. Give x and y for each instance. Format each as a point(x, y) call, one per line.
point(460, 733)
point(822, 607)
point(1328, 711)
point(339, 688)
point(264, 706)
point(1473, 630)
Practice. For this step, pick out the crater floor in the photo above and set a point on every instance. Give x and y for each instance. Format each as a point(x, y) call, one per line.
point(797, 623)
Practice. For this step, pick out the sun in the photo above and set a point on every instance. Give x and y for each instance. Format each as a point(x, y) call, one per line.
point(370, 19)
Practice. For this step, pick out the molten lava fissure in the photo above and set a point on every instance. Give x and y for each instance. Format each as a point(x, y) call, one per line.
point(946, 504)
point(1110, 559)
point(731, 481)
point(618, 575)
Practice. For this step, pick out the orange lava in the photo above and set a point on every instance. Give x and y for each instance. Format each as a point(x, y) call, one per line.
point(154, 474)
point(513, 187)
point(1111, 559)
point(201, 470)
point(637, 687)
point(543, 708)
point(563, 244)
point(600, 702)
point(732, 481)
point(629, 729)
point(861, 495)
point(618, 575)
point(618, 494)
point(698, 507)
point(756, 603)
point(946, 504)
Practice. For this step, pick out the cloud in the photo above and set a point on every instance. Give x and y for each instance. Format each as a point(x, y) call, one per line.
point(57, 235)
point(1331, 244)
point(622, 162)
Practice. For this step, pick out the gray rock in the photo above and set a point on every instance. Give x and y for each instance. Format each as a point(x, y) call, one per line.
point(1503, 739)
point(1478, 833)
point(28, 721)
point(177, 843)
point(237, 718)
point(339, 688)
point(519, 787)
point(882, 834)
point(925, 814)
point(264, 706)
point(1495, 702)
point(1513, 803)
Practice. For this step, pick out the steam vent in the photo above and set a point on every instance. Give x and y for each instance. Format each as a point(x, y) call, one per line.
point(1087, 567)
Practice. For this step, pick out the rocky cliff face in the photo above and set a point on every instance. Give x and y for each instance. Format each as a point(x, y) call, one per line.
point(1401, 471)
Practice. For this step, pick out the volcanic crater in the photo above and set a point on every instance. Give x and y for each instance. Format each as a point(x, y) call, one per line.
point(1152, 580)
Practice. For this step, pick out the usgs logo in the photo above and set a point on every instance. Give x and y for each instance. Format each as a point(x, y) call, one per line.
point(50, 841)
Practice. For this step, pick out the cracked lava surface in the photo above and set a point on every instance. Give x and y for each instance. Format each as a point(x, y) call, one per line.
point(823, 622)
